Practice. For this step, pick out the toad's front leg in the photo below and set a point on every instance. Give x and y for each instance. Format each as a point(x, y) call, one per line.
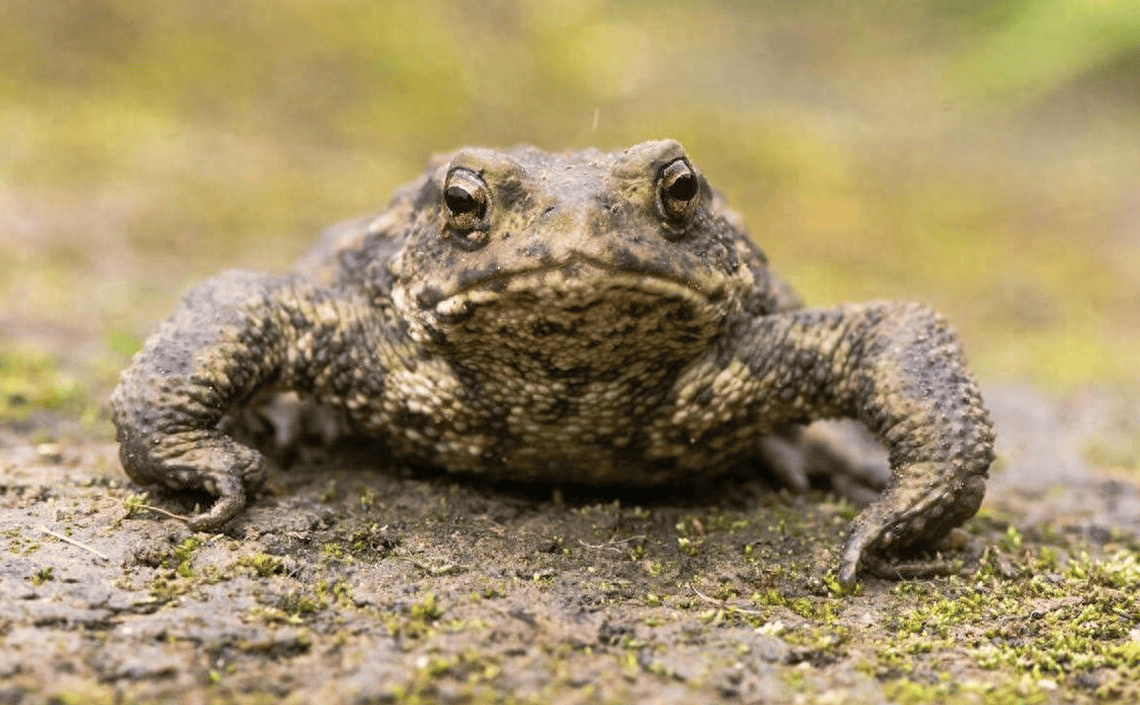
point(230, 337)
point(898, 368)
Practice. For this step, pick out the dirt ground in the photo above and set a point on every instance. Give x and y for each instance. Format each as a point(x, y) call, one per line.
point(350, 582)
point(979, 159)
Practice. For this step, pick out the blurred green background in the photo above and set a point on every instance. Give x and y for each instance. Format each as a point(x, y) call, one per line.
point(979, 156)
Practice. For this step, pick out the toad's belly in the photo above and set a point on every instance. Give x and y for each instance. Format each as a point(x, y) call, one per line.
point(534, 420)
point(596, 449)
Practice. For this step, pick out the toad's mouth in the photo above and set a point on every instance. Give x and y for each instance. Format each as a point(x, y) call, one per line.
point(580, 321)
point(574, 286)
point(576, 325)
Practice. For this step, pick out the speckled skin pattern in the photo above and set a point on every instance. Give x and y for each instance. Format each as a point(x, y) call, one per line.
point(584, 317)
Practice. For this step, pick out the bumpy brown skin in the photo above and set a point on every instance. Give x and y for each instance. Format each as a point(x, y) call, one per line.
point(582, 317)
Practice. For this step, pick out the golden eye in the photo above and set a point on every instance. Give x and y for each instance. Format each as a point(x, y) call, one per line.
point(678, 190)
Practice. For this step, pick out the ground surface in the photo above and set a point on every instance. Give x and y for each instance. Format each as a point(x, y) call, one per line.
point(979, 157)
point(350, 583)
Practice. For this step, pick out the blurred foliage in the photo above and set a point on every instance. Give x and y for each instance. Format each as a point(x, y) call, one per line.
point(1041, 45)
point(979, 156)
point(30, 381)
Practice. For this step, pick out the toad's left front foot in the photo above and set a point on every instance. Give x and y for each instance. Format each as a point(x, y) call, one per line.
point(920, 509)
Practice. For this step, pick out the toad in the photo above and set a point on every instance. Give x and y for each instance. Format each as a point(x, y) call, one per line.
point(582, 317)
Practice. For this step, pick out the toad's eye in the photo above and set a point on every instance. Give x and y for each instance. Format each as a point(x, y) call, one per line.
point(465, 200)
point(678, 190)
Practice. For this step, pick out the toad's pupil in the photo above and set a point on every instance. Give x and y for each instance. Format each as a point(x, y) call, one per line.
point(460, 201)
point(683, 187)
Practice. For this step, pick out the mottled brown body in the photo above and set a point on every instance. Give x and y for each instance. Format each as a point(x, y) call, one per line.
point(584, 317)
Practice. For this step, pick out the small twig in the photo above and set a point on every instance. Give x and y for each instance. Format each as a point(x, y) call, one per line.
point(73, 542)
point(437, 571)
point(612, 544)
point(160, 510)
point(722, 604)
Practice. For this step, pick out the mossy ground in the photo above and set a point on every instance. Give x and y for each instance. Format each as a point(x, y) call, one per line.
point(982, 160)
point(348, 581)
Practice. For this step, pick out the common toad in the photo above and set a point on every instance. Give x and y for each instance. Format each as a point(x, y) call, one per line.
point(584, 317)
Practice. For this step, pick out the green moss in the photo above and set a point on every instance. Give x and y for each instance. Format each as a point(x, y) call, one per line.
point(181, 577)
point(372, 541)
point(1061, 631)
point(341, 594)
point(19, 543)
point(427, 609)
point(909, 692)
point(301, 603)
point(134, 504)
point(42, 576)
point(262, 564)
point(688, 546)
point(83, 694)
point(366, 498)
point(1011, 542)
point(182, 556)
